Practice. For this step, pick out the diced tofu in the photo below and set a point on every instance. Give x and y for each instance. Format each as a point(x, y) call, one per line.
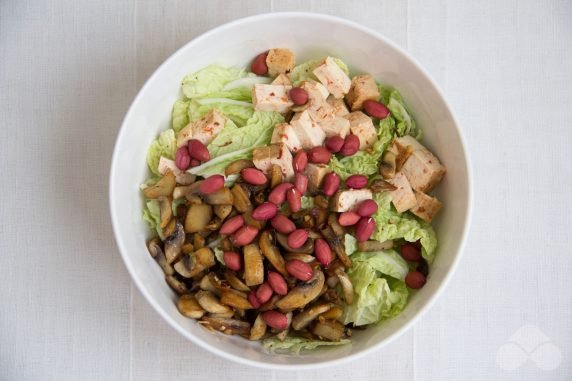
point(349, 199)
point(284, 133)
point(423, 170)
point(403, 197)
point(182, 177)
point(204, 129)
point(265, 157)
point(308, 131)
point(427, 207)
point(317, 106)
point(333, 77)
point(280, 61)
point(271, 98)
point(316, 174)
point(340, 108)
point(363, 88)
point(335, 126)
point(361, 125)
point(283, 80)
point(405, 141)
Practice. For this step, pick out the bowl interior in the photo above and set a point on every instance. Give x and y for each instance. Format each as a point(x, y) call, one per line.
point(235, 44)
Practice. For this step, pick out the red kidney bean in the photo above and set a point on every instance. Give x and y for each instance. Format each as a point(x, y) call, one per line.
point(367, 208)
point(334, 143)
point(183, 158)
point(299, 96)
point(375, 109)
point(300, 161)
point(415, 280)
point(356, 181)
point(351, 145)
point(410, 253)
point(258, 65)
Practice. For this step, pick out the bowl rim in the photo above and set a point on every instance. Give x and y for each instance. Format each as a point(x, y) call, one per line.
point(334, 362)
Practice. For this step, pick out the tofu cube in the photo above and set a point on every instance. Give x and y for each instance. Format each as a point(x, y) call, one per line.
point(333, 77)
point(308, 131)
point(427, 207)
point(280, 61)
point(204, 129)
point(265, 157)
point(361, 125)
point(316, 174)
point(165, 165)
point(317, 105)
point(349, 199)
point(271, 98)
point(403, 197)
point(335, 126)
point(423, 170)
point(400, 144)
point(363, 88)
point(282, 80)
point(284, 133)
point(340, 108)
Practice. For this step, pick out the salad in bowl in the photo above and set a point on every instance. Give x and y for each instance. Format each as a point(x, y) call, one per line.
point(291, 202)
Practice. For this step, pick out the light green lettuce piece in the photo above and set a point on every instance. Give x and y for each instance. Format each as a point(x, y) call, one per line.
point(393, 225)
point(179, 116)
point(384, 93)
point(307, 202)
point(350, 244)
point(152, 215)
point(377, 295)
point(387, 262)
point(237, 111)
point(405, 123)
point(210, 82)
point(297, 345)
point(234, 143)
point(165, 145)
point(365, 162)
point(305, 71)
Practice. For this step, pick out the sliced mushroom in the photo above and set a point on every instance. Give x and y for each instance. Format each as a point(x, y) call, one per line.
point(204, 257)
point(186, 178)
point(303, 294)
point(189, 307)
point(282, 334)
point(198, 217)
point(332, 281)
point(258, 329)
point(248, 220)
point(241, 198)
point(226, 244)
point(194, 199)
point(235, 299)
point(177, 286)
point(388, 165)
point(403, 153)
point(378, 184)
point(170, 228)
point(276, 175)
point(222, 196)
point(320, 215)
point(198, 241)
point(157, 253)
point(253, 265)
point(212, 283)
point(272, 253)
point(210, 303)
point(190, 266)
point(174, 243)
point(183, 191)
point(187, 248)
point(304, 318)
point(184, 267)
point(333, 313)
point(308, 247)
point(163, 187)
point(322, 202)
point(224, 315)
point(271, 304)
point(237, 166)
point(335, 225)
point(328, 329)
point(222, 211)
point(337, 244)
point(307, 258)
point(235, 282)
point(227, 326)
point(374, 245)
point(165, 211)
point(347, 287)
point(214, 225)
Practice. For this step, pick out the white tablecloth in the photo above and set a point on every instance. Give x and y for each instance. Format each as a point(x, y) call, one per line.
point(68, 72)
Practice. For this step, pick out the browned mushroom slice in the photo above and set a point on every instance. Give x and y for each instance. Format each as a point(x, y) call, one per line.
point(187, 248)
point(271, 304)
point(320, 215)
point(204, 257)
point(198, 241)
point(222, 196)
point(185, 190)
point(165, 211)
point(304, 318)
point(210, 303)
point(303, 294)
point(308, 247)
point(198, 217)
point(186, 178)
point(235, 282)
point(189, 307)
point(184, 267)
point(347, 287)
point(222, 211)
point(335, 225)
point(170, 228)
point(258, 329)
point(214, 225)
point(272, 253)
point(276, 175)
point(403, 153)
point(322, 202)
point(333, 313)
point(337, 244)
point(308, 258)
point(241, 198)
point(163, 187)
point(212, 283)
point(388, 165)
point(235, 299)
point(237, 166)
point(174, 243)
point(253, 265)
point(157, 253)
point(378, 185)
point(177, 286)
point(374, 245)
point(227, 326)
point(328, 329)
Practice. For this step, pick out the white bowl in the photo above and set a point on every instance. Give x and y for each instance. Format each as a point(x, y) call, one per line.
point(309, 36)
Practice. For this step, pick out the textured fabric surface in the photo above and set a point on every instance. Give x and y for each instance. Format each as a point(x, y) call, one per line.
point(68, 72)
